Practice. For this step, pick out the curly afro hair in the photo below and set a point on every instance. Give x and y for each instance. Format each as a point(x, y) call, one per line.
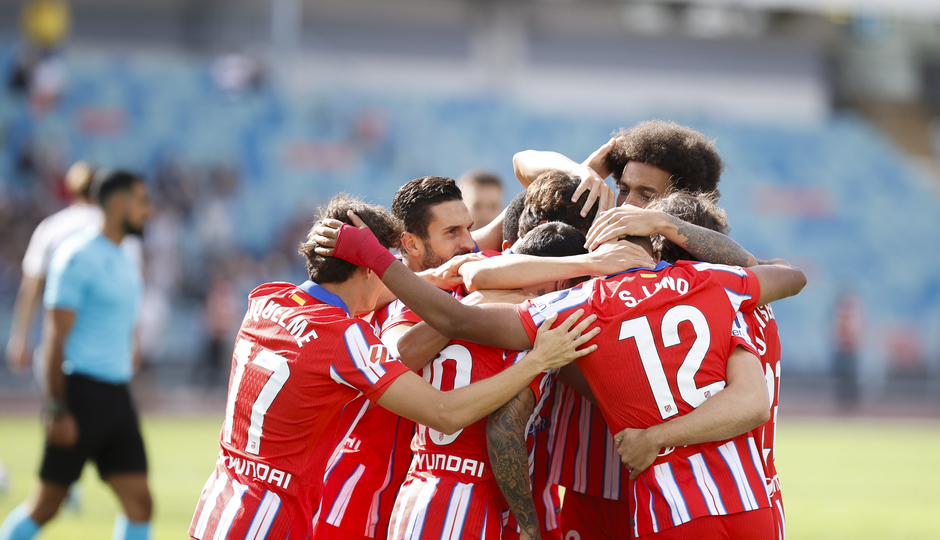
point(688, 156)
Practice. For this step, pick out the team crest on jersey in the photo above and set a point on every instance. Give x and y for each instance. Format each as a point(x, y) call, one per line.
point(378, 354)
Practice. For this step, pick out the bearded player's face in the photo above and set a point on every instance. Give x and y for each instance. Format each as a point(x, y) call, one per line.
point(448, 234)
point(137, 209)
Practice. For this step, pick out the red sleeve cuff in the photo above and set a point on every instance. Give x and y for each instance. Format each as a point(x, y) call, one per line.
point(393, 370)
point(527, 322)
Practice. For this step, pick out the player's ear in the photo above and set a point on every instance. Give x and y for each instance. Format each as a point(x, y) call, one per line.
point(657, 257)
point(506, 245)
point(410, 243)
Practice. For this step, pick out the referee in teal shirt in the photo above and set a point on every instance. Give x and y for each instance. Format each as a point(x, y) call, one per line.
point(92, 300)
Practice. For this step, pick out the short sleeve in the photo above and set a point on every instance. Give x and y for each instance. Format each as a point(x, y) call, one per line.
point(741, 335)
point(540, 383)
point(66, 282)
point(405, 317)
point(741, 284)
point(535, 311)
point(364, 363)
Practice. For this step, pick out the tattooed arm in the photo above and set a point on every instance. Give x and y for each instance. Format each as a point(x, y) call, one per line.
point(703, 244)
point(505, 440)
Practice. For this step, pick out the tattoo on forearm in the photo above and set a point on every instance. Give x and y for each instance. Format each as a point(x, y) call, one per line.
point(710, 246)
point(505, 441)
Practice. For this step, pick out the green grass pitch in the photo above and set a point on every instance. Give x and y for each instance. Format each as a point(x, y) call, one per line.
point(841, 479)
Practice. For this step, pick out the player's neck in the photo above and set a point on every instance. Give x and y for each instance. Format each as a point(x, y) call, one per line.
point(113, 230)
point(351, 292)
point(412, 264)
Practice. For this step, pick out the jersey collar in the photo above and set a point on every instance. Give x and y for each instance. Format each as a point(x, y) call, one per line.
point(323, 295)
point(660, 266)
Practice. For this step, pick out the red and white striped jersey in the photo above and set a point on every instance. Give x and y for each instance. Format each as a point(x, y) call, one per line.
point(584, 455)
point(361, 484)
point(450, 490)
point(363, 479)
point(761, 325)
point(666, 335)
point(299, 359)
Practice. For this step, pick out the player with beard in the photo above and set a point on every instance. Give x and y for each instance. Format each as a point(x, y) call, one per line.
point(302, 355)
point(438, 496)
point(92, 301)
point(733, 487)
point(363, 478)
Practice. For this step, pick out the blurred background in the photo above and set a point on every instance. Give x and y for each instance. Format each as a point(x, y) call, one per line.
point(244, 115)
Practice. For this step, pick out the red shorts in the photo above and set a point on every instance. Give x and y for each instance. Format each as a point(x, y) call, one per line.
point(752, 525)
point(585, 517)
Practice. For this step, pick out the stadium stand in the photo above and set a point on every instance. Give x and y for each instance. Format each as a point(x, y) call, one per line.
point(836, 199)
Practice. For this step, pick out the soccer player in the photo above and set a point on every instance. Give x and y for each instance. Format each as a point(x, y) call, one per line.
point(611, 298)
point(362, 480)
point(638, 448)
point(645, 161)
point(424, 506)
point(300, 357)
point(666, 298)
point(483, 194)
point(92, 300)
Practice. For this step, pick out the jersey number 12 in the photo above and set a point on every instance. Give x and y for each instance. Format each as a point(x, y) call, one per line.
point(640, 330)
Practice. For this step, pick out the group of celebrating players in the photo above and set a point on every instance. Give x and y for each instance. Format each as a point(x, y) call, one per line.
point(436, 395)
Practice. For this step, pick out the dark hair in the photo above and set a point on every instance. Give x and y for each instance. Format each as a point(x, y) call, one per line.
point(696, 208)
point(552, 239)
point(688, 156)
point(479, 177)
point(107, 182)
point(384, 226)
point(511, 218)
point(413, 201)
point(549, 199)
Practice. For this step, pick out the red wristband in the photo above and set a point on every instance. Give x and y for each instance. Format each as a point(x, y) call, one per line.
point(360, 247)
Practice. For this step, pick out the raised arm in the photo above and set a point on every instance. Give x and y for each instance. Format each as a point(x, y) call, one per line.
point(412, 397)
point(741, 406)
point(529, 164)
point(490, 236)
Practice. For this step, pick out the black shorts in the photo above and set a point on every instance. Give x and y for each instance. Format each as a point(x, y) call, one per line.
point(108, 433)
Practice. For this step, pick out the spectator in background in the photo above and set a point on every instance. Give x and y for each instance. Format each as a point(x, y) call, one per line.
point(92, 303)
point(39, 69)
point(847, 332)
point(45, 239)
point(483, 193)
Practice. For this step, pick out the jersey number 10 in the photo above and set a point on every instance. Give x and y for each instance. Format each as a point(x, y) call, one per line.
point(456, 364)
